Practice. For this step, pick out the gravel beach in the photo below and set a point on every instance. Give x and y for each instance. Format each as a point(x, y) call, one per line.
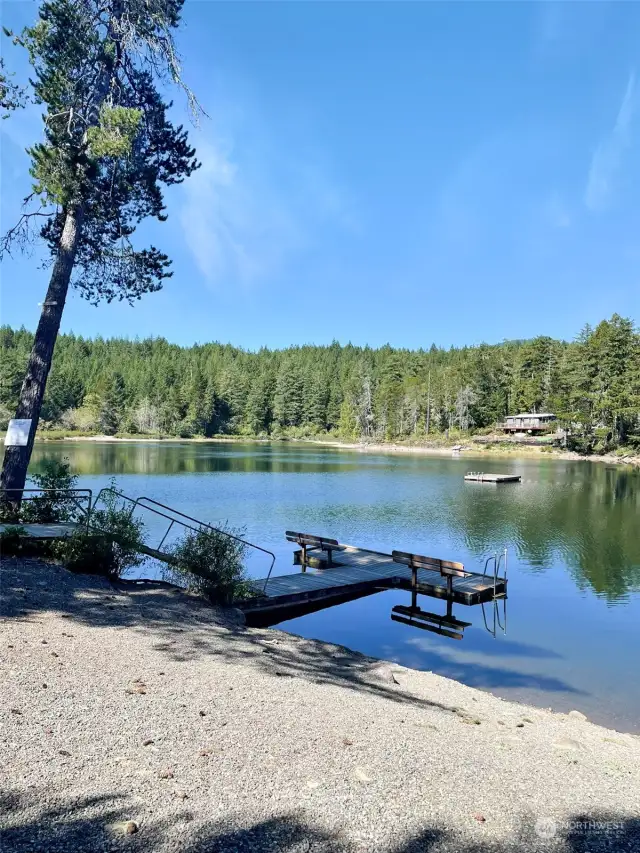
point(138, 718)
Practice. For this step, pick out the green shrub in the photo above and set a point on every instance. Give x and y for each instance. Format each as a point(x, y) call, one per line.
point(9, 513)
point(486, 430)
point(633, 442)
point(87, 553)
point(580, 443)
point(11, 539)
point(211, 563)
point(110, 547)
point(54, 505)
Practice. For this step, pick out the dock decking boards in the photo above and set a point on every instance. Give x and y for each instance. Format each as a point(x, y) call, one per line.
point(54, 530)
point(356, 570)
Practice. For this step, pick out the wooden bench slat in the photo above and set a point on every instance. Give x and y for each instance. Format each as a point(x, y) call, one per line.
point(310, 539)
point(419, 561)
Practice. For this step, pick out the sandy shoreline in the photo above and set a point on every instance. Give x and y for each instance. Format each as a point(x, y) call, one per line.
point(470, 451)
point(146, 705)
point(475, 451)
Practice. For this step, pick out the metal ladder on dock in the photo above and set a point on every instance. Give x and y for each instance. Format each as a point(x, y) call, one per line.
point(497, 560)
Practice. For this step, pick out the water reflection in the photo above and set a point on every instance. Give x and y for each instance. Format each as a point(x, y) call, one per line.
point(444, 624)
point(589, 519)
point(572, 528)
point(581, 515)
point(190, 458)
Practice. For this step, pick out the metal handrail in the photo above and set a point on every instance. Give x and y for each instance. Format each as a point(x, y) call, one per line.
point(143, 501)
point(209, 527)
point(497, 560)
point(65, 494)
point(486, 563)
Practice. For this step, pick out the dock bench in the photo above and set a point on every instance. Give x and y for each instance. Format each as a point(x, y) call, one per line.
point(308, 541)
point(447, 568)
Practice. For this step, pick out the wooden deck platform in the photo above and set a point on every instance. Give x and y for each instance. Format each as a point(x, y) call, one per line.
point(55, 530)
point(357, 571)
point(60, 529)
point(480, 477)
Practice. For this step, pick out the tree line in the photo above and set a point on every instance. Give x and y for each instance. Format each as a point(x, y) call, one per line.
point(153, 387)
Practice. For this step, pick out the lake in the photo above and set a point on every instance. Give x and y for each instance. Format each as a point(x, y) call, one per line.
point(572, 530)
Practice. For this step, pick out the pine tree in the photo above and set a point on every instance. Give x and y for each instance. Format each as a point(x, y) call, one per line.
point(593, 384)
point(614, 347)
point(108, 148)
point(258, 413)
point(12, 96)
point(315, 408)
point(465, 400)
point(112, 404)
point(289, 395)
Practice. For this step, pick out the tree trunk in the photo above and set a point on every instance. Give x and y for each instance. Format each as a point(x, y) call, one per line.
point(16, 459)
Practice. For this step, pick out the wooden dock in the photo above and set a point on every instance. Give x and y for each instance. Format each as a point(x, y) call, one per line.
point(54, 530)
point(481, 477)
point(331, 573)
point(356, 572)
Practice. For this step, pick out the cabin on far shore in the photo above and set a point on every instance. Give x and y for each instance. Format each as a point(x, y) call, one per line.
point(529, 422)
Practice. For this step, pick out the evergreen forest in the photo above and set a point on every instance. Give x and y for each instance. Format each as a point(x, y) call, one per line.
point(153, 387)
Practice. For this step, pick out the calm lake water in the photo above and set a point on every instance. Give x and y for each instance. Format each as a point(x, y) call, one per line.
point(572, 530)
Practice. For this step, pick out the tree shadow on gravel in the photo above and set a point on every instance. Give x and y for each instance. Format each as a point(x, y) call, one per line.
point(186, 628)
point(30, 822)
point(38, 821)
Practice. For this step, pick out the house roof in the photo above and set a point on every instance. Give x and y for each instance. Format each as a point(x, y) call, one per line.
point(533, 415)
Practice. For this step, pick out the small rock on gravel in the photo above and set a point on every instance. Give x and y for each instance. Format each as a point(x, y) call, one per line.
point(567, 743)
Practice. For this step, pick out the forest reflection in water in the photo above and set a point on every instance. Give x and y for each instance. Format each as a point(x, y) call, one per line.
point(572, 530)
point(586, 515)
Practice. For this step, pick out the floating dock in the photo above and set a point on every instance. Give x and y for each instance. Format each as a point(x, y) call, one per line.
point(355, 572)
point(481, 477)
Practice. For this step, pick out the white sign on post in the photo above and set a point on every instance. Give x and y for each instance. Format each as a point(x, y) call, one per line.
point(18, 432)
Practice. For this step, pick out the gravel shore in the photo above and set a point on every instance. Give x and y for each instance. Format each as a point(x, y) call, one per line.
point(138, 718)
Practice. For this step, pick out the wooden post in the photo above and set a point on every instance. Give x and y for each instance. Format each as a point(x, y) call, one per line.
point(304, 557)
point(414, 587)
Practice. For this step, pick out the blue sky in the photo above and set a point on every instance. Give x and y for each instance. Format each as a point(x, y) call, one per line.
point(404, 173)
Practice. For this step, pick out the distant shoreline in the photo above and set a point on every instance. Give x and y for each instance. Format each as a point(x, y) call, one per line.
point(471, 450)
